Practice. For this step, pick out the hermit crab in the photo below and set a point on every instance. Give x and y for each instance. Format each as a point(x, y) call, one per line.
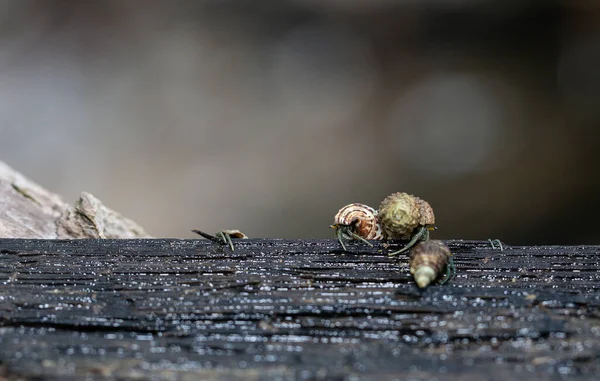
point(428, 261)
point(405, 217)
point(223, 237)
point(357, 221)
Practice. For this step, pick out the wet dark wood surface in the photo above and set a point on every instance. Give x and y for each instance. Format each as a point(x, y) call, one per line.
point(287, 310)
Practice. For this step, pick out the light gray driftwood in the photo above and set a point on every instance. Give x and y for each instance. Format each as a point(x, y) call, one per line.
point(29, 211)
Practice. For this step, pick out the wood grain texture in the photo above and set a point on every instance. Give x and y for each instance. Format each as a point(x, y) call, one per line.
point(287, 310)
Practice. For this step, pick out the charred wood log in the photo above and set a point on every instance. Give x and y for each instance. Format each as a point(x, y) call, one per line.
point(281, 309)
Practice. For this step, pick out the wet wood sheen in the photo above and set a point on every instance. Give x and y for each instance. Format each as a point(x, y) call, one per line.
point(287, 310)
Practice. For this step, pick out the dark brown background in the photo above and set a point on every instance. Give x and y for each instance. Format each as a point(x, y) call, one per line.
point(269, 116)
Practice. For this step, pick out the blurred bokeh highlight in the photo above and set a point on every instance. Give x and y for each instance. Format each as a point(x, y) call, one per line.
point(268, 116)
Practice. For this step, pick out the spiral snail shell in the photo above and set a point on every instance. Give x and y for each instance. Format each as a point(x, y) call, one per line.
point(362, 218)
point(401, 213)
point(405, 217)
point(358, 221)
point(428, 260)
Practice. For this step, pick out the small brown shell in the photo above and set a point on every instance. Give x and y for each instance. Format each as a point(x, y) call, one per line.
point(234, 233)
point(400, 214)
point(362, 218)
point(428, 260)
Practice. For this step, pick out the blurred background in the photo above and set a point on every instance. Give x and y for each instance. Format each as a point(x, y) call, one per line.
point(268, 116)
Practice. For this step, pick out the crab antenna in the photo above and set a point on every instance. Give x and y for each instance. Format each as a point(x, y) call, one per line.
point(339, 235)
